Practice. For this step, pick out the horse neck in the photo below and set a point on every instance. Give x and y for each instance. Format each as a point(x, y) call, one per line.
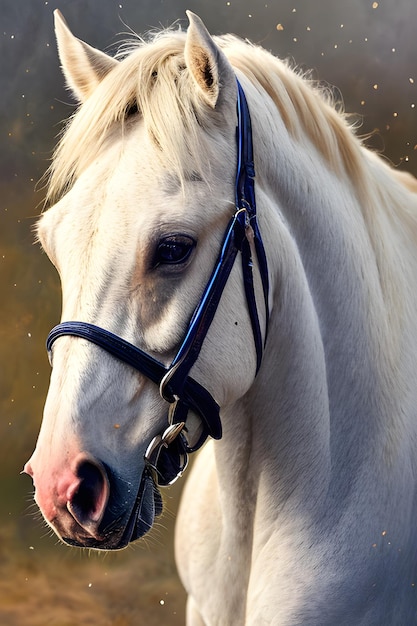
point(327, 385)
point(279, 432)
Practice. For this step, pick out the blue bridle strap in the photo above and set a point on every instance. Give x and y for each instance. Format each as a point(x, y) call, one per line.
point(176, 386)
point(245, 198)
point(241, 230)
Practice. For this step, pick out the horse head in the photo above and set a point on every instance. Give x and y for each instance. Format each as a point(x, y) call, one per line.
point(143, 188)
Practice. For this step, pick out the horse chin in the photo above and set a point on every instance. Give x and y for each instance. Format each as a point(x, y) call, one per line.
point(114, 532)
point(147, 507)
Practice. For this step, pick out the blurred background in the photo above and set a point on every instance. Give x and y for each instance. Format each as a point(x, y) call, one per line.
point(366, 49)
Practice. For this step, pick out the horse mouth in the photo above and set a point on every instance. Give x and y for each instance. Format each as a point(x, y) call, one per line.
point(147, 507)
point(114, 532)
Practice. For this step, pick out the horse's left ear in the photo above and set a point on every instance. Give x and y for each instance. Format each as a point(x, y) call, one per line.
point(206, 62)
point(84, 67)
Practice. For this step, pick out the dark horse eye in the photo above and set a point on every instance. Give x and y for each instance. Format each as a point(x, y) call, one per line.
point(174, 250)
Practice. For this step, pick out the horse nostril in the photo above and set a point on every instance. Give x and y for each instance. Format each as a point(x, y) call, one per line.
point(88, 500)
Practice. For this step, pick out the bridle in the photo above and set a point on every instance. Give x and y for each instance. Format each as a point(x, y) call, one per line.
point(167, 454)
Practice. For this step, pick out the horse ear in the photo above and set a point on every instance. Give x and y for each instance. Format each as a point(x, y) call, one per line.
point(84, 67)
point(208, 65)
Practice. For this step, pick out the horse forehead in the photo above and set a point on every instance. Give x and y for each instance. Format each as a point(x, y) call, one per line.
point(129, 194)
point(111, 191)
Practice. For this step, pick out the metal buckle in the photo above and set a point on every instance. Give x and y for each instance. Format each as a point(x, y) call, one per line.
point(160, 446)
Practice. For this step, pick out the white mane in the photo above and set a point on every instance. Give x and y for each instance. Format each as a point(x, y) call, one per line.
point(153, 78)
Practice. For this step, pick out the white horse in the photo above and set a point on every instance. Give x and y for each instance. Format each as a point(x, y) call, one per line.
point(305, 511)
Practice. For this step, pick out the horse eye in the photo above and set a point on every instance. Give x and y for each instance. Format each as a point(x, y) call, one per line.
point(174, 250)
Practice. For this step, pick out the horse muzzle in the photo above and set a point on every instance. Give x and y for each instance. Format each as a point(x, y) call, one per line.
point(90, 508)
